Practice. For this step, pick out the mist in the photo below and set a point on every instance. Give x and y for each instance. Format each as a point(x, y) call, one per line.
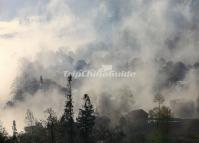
point(155, 39)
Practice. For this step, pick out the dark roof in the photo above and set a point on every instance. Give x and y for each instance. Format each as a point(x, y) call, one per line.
point(137, 114)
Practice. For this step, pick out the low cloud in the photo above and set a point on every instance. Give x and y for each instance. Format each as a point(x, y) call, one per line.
point(156, 39)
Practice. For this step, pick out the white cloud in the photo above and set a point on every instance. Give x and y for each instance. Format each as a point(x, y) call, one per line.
point(127, 29)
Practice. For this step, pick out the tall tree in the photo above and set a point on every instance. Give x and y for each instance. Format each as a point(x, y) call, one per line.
point(162, 116)
point(159, 99)
point(51, 121)
point(30, 121)
point(29, 118)
point(68, 112)
point(86, 119)
point(14, 128)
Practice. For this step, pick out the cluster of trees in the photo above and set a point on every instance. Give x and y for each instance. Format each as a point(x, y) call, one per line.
point(88, 127)
point(54, 130)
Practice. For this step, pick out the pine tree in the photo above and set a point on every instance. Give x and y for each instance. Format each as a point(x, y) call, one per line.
point(51, 121)
point(14, 128)
point(68, 112)
point(86, 120)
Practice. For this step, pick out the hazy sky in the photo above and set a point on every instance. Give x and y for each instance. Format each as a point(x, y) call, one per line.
point(112, 32)
point(30, 26)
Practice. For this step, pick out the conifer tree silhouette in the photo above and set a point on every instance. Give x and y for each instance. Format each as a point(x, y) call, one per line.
point(86, 119)
point(68, 112)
